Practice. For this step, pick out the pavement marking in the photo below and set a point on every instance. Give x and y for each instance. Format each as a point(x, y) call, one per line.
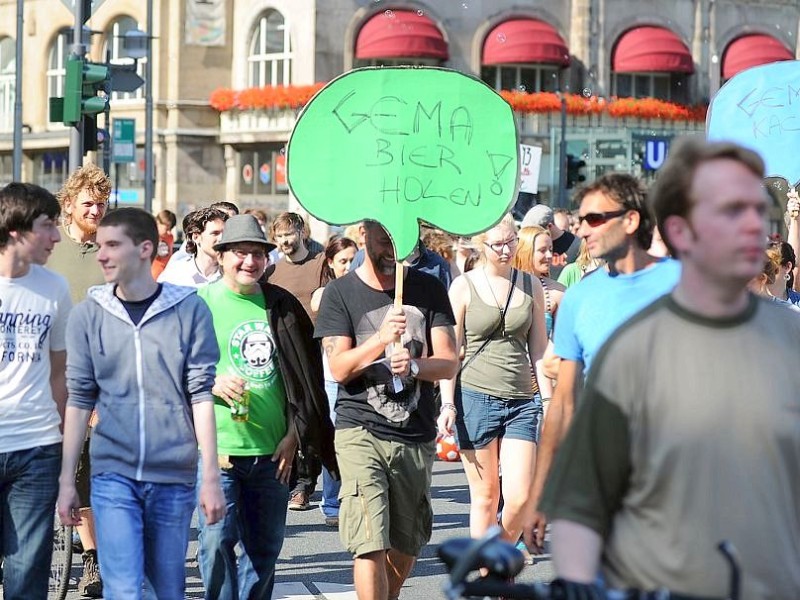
point(336, 591)
point(293, 590)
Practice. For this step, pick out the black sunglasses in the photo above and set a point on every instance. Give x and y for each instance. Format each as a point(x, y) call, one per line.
point(595, 219)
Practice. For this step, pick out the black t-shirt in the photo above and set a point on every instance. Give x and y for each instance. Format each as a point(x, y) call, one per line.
point(561, 253)
point(137, 308)
point(351, 308)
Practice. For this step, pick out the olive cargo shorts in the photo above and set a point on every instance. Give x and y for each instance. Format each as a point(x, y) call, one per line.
point(385, 494)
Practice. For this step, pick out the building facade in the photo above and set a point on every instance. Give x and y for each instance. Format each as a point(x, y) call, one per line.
point(679, 51)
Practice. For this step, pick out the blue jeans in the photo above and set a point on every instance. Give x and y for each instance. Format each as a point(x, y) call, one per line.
point(257, 504)
point(28, 492)
point(330, 487)
point(142, 532)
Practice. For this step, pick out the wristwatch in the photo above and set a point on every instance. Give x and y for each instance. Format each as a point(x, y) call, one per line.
point(413, 368)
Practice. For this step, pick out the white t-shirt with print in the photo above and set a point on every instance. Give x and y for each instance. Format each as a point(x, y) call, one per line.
point(33, 320)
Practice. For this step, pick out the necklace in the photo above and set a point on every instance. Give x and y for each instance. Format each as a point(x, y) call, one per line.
point(548, 306)
point(497, 303)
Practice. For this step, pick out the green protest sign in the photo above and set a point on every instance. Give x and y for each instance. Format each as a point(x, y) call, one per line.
point(399, 145)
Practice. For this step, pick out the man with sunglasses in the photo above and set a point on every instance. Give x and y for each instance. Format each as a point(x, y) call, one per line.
point(617, 227)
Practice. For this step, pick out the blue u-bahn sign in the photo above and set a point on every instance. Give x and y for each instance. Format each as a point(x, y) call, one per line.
point(655, 153)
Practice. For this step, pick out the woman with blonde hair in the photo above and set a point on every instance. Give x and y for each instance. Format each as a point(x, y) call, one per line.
point(499, 314)
point(766, 281)
point(535, 255)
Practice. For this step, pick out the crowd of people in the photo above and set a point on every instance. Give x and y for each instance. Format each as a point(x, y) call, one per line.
point(623, 375)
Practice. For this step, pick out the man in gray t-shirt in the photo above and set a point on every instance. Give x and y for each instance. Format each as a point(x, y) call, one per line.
point(689, 425)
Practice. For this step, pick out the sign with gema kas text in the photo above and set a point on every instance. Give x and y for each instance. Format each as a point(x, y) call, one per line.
point(760, 108)
point(399, 145)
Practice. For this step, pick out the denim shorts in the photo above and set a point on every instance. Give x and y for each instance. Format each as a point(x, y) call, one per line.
point(483, 418)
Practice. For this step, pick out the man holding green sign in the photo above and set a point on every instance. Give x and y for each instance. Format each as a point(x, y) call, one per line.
point(423, 145)
point(385, 412)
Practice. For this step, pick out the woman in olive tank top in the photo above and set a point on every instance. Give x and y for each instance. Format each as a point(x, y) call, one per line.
point(497, 410)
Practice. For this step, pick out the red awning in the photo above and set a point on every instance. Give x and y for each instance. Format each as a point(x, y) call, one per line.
point(647, 49)
point(401, 34)
point(524, 41)
point(751, 51)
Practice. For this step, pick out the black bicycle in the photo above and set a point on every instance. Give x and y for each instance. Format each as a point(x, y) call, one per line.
point(500, 562)
point(61, 564)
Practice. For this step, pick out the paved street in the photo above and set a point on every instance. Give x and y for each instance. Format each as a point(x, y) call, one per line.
point(313, 565)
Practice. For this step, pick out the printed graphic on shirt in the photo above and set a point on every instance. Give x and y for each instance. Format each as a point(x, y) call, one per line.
point(394, 406)
point(22, 335)
point(251, 350)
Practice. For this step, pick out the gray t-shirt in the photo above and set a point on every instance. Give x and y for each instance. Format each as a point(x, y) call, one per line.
point(688, 433)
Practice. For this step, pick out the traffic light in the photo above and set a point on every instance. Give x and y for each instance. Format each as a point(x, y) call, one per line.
point(574, 175)
point(84, 79)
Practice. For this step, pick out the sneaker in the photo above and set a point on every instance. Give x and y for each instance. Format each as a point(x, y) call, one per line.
point(90, 584)
point(332, 522)
point(299, 501)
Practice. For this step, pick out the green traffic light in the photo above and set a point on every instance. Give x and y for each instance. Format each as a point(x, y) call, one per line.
point(94, 73)
point(83, 79)
point(93, 105)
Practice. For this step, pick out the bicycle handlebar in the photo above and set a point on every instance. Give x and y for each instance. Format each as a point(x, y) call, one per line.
point(504, 561)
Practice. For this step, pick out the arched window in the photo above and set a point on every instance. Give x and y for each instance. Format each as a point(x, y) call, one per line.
point(524, 54)
point(115, 38)
point(8, 69)
point(400, 37)
point(56, 66)
point(269, 61)
point(651, 62)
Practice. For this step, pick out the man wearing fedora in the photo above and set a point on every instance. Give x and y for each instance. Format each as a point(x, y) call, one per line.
point(269, 401)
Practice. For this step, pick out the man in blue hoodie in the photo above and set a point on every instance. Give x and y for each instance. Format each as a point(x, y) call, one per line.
point(143, 355)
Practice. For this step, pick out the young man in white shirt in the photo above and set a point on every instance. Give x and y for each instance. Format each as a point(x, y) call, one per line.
point(34, 304)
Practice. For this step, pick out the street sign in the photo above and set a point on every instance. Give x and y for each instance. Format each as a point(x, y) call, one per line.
point(655, 153)
point(124, 78)
point(123, 148)
point(89, 6)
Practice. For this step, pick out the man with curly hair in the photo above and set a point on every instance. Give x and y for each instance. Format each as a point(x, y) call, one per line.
point(84, 201)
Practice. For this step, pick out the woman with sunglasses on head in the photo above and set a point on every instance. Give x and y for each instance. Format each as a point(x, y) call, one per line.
point(500, 317)
point(339, 254)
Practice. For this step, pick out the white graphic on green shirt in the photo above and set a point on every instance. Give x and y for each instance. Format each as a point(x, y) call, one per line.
point(251, 351)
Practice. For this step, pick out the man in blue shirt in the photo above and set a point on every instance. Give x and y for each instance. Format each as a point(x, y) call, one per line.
point(617, 226)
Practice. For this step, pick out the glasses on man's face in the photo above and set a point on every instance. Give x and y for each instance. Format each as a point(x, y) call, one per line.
point(595, 219)
point(497, 247)
point(256, 254)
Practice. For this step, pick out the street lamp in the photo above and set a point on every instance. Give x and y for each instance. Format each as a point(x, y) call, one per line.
point(138, 45)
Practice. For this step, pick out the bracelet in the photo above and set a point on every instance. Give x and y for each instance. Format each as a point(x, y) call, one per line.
point(449, 406)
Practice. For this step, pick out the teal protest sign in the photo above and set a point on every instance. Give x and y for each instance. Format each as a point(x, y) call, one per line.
point(400, 145)
point(760, 108)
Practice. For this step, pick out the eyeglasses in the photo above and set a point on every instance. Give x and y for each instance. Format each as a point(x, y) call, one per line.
point(256, 254)
point(595, 219)
point(498, 247)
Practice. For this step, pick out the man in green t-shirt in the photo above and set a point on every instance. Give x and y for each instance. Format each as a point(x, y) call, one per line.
point(269, 398)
